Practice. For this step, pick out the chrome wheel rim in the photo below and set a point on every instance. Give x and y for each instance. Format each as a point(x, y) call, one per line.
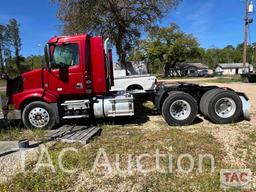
point(39, 117)
point(225, 107)
point(180, 110)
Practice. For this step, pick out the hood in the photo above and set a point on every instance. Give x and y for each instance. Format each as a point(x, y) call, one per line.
point(26, 81)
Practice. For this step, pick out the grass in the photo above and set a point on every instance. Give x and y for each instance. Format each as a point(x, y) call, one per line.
point(225, 79)
point(15, 134)
point(249, 144)
point(124, 140)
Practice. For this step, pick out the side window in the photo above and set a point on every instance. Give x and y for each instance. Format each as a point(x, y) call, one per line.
point(66, 55)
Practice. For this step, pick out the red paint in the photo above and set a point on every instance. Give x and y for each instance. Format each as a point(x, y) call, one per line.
point(53, 85)
point(19, 98)
point(63, 81)
point(32, 79)
point(98, 69)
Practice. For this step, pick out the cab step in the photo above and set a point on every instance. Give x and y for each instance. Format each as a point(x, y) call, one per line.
point(75, 117)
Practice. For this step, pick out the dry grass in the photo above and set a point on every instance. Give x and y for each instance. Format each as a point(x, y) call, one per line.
point(124, 140)
point(15, 131)
point(225, 79)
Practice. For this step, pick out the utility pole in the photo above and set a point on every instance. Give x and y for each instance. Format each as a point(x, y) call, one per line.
point(246, 34)
point(248, 20)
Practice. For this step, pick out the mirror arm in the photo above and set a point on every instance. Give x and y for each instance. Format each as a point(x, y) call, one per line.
point(47, 56)
point(49, 64)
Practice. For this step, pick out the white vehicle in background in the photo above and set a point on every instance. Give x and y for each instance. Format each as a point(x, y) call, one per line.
point(133, 83)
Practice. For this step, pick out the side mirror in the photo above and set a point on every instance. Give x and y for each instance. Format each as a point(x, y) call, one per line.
point(47, 56)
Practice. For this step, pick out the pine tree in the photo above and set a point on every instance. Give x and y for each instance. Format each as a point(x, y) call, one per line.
point(14, 33)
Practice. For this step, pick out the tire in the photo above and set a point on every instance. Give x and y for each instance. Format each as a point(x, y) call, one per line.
point(205, 99)
point(223, 107)
point(34, 111)
point(176, 100)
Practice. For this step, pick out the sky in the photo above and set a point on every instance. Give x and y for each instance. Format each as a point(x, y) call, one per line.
point(215, 23)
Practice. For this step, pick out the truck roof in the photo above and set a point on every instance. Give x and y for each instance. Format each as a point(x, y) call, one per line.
point(55, 39)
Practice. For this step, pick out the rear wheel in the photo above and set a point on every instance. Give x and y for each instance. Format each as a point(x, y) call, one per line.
point(179, 108)
point(38, 115)
point(223, 107)
point(205, 99)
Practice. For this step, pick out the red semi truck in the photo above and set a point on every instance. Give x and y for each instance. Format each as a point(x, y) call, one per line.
point(76, 80)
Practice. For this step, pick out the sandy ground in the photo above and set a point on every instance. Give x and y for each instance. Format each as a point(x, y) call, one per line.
point(13, 163)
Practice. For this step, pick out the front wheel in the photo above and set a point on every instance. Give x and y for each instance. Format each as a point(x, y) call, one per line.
point(179, 109)
point(38, 115)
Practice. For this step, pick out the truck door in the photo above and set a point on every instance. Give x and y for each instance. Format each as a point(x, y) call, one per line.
point(66, 74)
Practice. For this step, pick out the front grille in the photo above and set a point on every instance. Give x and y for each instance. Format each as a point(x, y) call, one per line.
point(14, 85)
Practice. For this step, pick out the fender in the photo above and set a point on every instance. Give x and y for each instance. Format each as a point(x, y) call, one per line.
point(34, 94)
point(246, 105)
point(159, 96)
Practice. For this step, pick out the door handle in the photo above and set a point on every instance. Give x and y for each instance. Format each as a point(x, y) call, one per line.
point(79, 86)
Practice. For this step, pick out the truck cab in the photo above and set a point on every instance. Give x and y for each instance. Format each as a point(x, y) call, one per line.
point(77, 65)
point(74, 83)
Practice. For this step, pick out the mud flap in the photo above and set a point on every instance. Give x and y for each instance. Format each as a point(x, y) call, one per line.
point(246, 108)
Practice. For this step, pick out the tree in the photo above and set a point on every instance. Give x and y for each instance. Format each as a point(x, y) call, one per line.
point(2, 39)
point(34, 61)
point(212, 57)
point(227, 54)
point(120, 20)
point(14, 35)
point(167, 46)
